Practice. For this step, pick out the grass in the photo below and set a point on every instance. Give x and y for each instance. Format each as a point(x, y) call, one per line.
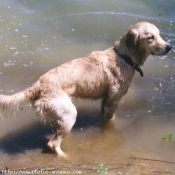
point(102, 169)
point(167, 138)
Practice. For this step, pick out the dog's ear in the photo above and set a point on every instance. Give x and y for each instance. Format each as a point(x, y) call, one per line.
point(132, 40)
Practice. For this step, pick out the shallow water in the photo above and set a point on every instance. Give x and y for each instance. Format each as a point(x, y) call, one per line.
point(36, 36)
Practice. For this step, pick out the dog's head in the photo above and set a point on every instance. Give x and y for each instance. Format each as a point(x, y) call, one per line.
point(144, 39)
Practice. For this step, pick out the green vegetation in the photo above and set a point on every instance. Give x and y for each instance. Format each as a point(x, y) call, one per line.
point(102, 170)
point(167, 138)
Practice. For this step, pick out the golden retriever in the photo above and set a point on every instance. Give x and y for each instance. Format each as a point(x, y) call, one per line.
point(104, 75)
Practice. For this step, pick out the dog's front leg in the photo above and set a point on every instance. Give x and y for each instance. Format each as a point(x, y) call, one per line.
point(108, 109)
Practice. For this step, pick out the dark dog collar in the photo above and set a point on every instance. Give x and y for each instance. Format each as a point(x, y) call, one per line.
point(129, 61)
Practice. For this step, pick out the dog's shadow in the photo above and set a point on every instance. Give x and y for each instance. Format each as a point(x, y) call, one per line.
point(35, 135)
point(29, 137)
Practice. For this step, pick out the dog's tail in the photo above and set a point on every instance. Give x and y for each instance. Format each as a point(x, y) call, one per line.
point(9, 104)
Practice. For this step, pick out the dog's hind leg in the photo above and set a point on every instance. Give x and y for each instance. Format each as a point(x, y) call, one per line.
point(60, 113)
point(63, 127)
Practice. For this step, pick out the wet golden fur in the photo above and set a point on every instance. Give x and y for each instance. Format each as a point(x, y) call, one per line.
point(100, 75)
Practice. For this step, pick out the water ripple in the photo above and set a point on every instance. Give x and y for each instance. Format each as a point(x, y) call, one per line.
point(115, 13)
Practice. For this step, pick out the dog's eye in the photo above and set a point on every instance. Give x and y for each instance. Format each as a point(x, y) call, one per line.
point(151, 37)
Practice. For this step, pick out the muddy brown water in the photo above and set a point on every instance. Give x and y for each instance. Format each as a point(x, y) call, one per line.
point(36, 36)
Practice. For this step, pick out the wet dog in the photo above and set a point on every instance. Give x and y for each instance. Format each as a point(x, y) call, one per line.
point(104, 75)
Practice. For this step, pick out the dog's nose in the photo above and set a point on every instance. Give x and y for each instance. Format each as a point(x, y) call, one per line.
point(168, 47)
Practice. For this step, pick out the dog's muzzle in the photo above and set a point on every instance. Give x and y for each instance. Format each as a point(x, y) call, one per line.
point(168, 48)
